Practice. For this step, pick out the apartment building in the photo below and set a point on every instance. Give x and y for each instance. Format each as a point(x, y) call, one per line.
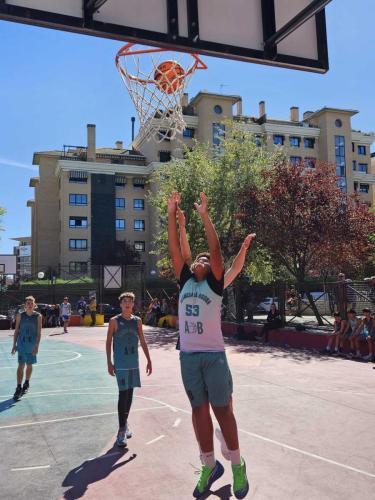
point(87, 202)
point(325, 135)
point(23, 254)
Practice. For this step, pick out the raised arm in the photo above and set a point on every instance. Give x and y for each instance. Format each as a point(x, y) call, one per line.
point(173, 244)
point(238, 262)
point(184, 242)
point(216, 259)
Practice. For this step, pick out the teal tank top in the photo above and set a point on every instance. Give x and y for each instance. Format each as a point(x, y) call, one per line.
point(28, 332)
point(125, 343)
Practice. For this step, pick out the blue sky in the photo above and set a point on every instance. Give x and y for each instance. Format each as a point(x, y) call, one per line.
point(53, 83)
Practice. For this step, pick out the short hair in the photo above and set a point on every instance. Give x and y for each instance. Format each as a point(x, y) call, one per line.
point(66, 298)
point(127, 295)
point(366, 310)
point(202, 254)
point(351, 311)
point(336, 315)
point(30, 297)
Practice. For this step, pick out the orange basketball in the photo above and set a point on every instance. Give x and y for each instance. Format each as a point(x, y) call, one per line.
point(169, 76)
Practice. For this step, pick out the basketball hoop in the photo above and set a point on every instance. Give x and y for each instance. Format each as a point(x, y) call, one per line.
point(157, 89)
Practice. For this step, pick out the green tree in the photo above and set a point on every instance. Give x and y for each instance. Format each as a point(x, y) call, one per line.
point(221, 172)
point(2, 213)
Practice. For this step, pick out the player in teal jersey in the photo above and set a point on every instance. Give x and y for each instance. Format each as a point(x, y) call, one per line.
point(204, 368)
point(26, 339)
point(124, 334)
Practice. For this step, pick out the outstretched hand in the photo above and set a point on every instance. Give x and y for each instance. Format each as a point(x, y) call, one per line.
point(247, 241)
point(172, 202)
point(202, 209)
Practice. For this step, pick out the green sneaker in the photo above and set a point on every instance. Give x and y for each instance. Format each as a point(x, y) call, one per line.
point(240, 482)
point(207, 477)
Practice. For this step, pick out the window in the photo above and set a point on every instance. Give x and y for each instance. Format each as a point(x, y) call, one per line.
point(218, 133)
point(164, 156)
point(363, 167)
point(294, 142)
point(78, 222)
point(218, 109)
point(361, 150)
point(120, 203)
point(139, 182)
point(309, 142)
point(139, 225)
point(78, 267)
point(140, 246)
point(340, 155)
point(257, 140)
point(78, 244)
point(138, 204)
point(364, 188)
point(78, 199)
point(355, 186)
point(78, 176)
point(309, 162)
point(353, 147)
point(354, 165)
point(120, 180)
point(295, 160)
point(338, 123)
point(278, 140)
point(188, 132)
point(120, 224)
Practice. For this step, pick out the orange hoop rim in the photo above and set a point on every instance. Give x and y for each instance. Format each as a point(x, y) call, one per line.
point(126, 51)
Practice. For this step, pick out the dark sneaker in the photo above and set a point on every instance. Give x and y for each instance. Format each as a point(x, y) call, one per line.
point(207, 476)
point(240, 482)
point(17, 394)
point(121, 439)
point(25, 388)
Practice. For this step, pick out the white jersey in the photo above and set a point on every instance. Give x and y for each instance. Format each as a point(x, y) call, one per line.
point(199, 313)
point(65, 309)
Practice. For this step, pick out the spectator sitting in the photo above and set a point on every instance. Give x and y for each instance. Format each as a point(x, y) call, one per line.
point(338, 327)
point(349, 332)
point(273, 322)
point(164, 307)
point(367, 333)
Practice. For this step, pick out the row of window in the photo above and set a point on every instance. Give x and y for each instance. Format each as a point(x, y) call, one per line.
point(81, 244)
point(340, 155)
point(81, 199)
point(77, 176)
point(294, 142)
point(76, 222)
point(308, 162)
point(360, 167)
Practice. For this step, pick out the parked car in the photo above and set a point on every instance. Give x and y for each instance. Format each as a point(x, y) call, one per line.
point(108, 310)
point(265, 305)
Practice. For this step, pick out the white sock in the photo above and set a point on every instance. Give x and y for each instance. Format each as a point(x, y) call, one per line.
point(235, 457)
point(223, 445)
point(209, 458)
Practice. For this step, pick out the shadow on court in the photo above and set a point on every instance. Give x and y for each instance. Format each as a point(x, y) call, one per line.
point(91, 471)
point(224, 493)
point(161, 337)
point(5, 405)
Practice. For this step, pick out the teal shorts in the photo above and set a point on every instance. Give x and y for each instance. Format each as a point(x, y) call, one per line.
point(206, 377)
point(26, 358)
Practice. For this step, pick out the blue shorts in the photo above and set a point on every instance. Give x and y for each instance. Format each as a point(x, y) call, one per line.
point(65, 317)
point(26, 358)
point(206, 377)
point(127, 378)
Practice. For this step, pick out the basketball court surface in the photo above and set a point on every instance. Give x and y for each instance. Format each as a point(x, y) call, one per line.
point(305, 420)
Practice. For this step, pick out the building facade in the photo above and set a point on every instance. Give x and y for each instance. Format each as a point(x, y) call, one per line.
point(89, 201)
point(23, 253)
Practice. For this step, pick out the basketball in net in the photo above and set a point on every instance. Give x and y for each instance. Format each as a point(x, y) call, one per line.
point(156, 85)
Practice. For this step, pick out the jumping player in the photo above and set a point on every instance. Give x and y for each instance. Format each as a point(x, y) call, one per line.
point(204, 368)
point(125, 332)
point(26, 339)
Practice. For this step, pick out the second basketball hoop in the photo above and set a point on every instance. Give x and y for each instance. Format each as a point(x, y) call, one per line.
point(156, 84)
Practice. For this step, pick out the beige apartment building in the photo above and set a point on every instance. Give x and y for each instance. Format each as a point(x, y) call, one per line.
point(322, 135)
point(89, 200)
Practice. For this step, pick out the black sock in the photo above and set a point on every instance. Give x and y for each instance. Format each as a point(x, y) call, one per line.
point(18, 386)
point(26, 382)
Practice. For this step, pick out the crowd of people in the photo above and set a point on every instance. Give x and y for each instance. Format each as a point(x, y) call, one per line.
point(158, 309)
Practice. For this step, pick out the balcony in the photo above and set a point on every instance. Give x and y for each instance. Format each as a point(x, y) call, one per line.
point(363, 177)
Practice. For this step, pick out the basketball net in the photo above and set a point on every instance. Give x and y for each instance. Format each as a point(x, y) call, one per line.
point(156, 84)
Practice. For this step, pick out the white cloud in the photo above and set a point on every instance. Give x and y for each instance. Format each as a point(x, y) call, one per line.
point(10, 163)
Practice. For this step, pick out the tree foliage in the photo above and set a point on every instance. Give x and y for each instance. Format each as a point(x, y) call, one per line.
point(221, 173)
point(306, 223)
point(2, 213)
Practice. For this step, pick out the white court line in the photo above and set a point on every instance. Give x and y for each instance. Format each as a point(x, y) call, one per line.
point(31, 468)
point(176, 422)
point(79, 417)
point(156, 439)
point(78, 355)
point(54, 391)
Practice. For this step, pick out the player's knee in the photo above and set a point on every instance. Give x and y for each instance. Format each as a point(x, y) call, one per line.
point(201, 409)
point(223, 411)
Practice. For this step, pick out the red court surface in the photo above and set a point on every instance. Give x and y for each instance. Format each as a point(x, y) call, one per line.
point(306, 427)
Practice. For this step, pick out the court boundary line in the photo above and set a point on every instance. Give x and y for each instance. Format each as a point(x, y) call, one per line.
point(79, 355)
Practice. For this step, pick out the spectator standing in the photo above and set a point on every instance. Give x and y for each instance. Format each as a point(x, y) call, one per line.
point(92, 307)
point(65, 313)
